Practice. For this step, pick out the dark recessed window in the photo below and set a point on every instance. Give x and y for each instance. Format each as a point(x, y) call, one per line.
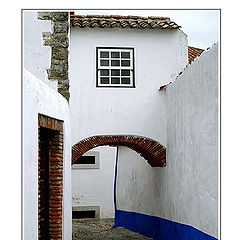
point(125, 55)
point(115, 72)
point(125, 80)
point(104, 72)
point(115, 54)
point(104, 54)
point(83, 214)
point(115, 80)
point(115, 67)
point(86, 160)
point(104, 80)
point(104, 63)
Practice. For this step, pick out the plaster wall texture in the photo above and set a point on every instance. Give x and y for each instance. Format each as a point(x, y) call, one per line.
point(36, 56)
point(159, 57)
point(94, 187)
point(40, 98)
point(186, 190)
point(135, 188)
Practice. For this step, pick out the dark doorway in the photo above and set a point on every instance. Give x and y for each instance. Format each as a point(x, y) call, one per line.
point(50, 178)
point(43, 178)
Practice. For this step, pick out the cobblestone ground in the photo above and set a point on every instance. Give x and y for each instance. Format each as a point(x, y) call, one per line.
point(101, 229)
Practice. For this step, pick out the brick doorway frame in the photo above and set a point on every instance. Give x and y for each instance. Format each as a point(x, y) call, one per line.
point(54, 130)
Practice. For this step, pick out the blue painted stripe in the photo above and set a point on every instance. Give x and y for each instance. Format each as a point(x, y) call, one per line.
point(115, 182)
point(158, 228)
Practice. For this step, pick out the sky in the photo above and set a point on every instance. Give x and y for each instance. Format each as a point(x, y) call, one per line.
point(201, 26)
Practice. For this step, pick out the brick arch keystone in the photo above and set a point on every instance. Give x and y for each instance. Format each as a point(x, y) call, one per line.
point(151, 150)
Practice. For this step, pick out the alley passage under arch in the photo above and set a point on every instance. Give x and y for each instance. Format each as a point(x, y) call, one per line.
point(151, 150)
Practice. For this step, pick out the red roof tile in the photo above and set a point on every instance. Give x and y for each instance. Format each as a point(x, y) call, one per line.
point(113, 21)
point(193, 53)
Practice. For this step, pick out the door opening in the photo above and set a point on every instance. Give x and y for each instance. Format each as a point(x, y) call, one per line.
point(50, 178)
point(43, 178)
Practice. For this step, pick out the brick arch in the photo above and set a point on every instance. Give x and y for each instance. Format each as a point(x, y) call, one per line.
point(151, 150)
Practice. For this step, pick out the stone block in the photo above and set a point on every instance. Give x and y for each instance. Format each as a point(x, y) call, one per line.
point(60, 16)
point(60, 27)
point(59, 53)
point(45, 15)
point(59, 40)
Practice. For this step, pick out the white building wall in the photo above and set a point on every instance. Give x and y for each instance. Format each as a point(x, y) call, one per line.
point(36, 56)
point(186, 190)
point(192, 149)
point(95, 187)
point(40, 98)
point(135, 183)
point(159, 56)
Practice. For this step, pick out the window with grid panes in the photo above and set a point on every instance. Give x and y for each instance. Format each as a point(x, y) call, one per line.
point(115, 67)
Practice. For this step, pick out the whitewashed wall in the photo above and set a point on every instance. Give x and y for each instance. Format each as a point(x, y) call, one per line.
point(36, 57)
point(40, 98)
point(135, 183)
point(159, 56)
point(186, 190)
point(94, 187)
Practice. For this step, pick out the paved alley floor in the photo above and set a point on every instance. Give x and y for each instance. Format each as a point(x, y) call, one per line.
point(101, 229)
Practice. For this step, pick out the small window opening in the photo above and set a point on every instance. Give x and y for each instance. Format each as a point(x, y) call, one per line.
point(83, 214)
point(86, 160)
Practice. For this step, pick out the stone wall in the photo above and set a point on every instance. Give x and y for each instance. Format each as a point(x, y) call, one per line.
point(59, 42)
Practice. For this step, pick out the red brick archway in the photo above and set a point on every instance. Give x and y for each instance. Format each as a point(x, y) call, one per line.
point(151, 150)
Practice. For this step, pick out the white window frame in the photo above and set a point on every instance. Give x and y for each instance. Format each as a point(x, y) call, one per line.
point(131, 67)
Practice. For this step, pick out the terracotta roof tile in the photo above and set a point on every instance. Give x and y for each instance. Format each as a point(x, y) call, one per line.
point(193, 53)
point(114, 21)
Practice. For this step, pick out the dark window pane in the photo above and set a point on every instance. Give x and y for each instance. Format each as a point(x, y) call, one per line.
point(115, 72)
point(115, 63)
point(104, 80)
point(104, 54)
point(104, 72)
point(115, 55)
point(104, 62)
point(125, 54)
point(115, 80)
point(86, 160)
point(125, 63)
point(125, 80)
point(125, 72)
point(83, 214)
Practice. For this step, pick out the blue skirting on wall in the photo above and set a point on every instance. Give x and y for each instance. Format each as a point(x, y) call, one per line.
point(157, 228)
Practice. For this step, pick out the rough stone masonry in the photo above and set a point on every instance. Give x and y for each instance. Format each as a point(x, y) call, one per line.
point(59, 42)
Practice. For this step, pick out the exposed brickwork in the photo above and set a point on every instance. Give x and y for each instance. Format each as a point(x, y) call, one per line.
point(55, 175)
point(150, 149)
point(59, 41)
